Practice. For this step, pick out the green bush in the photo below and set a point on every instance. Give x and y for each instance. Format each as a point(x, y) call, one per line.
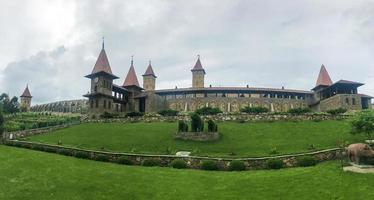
point(151, 162)
point(182, 126)
point(299, 111)
point(197, 124)
point(102, 157)
point(108, 115)
point(209, 165)
point(124, 160)
point(254, 110)
point(363, 122)
point(212, 126)
point(1, 125)
point(274, 164)
point(49, 149)
point(168, 112)
point(178, 164)
point(208, 111)
point(134, 114)
point(306, 161)
point(65, 152)
point(337, 111)
point(237, 165)
point(82, 154)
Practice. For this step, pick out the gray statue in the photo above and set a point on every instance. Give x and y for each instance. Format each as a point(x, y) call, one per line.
point(357, 151)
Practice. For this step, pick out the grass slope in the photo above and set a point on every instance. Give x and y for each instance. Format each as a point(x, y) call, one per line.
point(239, 139)
point(27, 174)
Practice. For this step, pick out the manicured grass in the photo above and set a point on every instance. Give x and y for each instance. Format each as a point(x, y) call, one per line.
point(238, 139)
point(27, 174)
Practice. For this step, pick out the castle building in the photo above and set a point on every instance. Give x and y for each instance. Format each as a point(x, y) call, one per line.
point(26, 99)
point(105, 96)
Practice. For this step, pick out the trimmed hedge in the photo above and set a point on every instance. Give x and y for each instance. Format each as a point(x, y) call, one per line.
point(254, 110)
point(337, 111)
point(212, 126)
point(134, 114)
point(178, 164)
point(274, 164)
point(182, 126)
point(81, 154)
point(209, 165)
point(124, 160)
point(299, 111)
point(306, 161)
point(197, 124)
point(150, 162)
point(102, 157)
point(168, 112)
point(208, 111)
point(237, 165)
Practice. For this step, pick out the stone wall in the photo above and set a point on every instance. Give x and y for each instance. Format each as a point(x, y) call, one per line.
point(234, 104)
point(229, 117)
point(38, 131)
point(193, 162)
point(348, 101)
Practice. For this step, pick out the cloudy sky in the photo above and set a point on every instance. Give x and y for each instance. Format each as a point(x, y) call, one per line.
point(52, 44)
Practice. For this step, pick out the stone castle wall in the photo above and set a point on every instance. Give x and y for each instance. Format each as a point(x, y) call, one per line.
point(234, 104)
point(348, 101)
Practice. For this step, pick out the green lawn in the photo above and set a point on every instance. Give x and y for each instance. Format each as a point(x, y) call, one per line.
point(27, 174)
point(238, 139)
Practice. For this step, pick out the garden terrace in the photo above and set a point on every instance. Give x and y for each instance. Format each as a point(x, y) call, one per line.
point(252, 139)
point(24, 121)
point(71, 178)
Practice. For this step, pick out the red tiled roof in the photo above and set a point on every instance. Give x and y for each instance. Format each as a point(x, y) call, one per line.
point(323, 77)
point(102, 64)
point(149, 71)
point(198, 66)
point(26, 92)
point(131, 79)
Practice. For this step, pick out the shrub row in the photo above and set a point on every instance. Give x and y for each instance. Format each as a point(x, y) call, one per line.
point(235, 165)
point(254, 110)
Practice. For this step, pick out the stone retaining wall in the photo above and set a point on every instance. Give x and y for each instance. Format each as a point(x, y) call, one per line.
point(230, 117)
point(37, 131)
point(197, 136)
point(193, 162)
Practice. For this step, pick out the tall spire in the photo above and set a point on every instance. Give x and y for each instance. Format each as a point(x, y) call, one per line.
point(103, 43)
point(131, 79)
point(198, 66)
point(323, 77)
point(149, 71)
point(26, 92)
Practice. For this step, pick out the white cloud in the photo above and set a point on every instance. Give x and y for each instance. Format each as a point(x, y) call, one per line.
point(260, 43)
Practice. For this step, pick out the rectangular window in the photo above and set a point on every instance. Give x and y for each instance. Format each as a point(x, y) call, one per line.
point(104, 103)
point(91, 103)
point(353, 101)
point(97, 103)
point(110, 105)
point(347, 101)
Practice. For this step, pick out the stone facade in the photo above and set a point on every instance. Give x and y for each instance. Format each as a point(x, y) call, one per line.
point(347, 101)
point(132, 97)
point(68, 106)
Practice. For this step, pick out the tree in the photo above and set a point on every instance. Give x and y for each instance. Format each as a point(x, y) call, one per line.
point(7, 104)
point(197, 124)
point(1, 125)
point(363, 123)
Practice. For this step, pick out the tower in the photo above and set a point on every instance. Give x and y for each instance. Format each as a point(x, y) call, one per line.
point(149, 79)
point(131, 83)
point(26, 99)
point(100, 95)
point(198, 74)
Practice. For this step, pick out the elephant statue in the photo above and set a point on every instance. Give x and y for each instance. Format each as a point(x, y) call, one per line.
point(357, 151)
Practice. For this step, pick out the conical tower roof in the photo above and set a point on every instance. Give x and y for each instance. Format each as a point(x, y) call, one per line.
point(26, 92)
point(323, 77)
point(131, 79)
point(198, 66)
point(102, 63)
point(149, 71)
